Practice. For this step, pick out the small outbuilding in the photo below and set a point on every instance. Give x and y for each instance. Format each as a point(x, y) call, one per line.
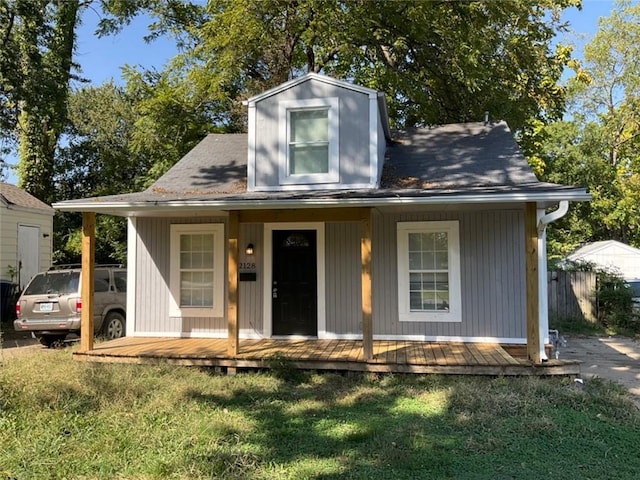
point(26, 235)
point(614, 256)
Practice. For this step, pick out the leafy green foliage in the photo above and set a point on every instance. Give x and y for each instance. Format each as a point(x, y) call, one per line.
point(598, 147)
point(614, 302)
point(44, 33)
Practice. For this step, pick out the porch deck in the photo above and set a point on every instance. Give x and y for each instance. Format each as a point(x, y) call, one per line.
point(388, 356)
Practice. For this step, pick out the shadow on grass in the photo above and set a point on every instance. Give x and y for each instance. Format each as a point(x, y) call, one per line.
point(393, 427)
point(335, 426)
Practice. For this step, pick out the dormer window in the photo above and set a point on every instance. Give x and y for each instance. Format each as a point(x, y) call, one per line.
point(309, 141)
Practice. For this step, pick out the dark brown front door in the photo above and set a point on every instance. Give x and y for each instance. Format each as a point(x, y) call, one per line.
point(294, 284)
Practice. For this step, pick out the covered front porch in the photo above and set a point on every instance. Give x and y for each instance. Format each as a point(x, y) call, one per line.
point(369, 356)
point(388, 356)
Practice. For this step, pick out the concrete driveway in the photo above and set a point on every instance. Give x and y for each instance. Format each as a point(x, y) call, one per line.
point(610, 358)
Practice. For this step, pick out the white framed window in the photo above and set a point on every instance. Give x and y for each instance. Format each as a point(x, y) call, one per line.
point(197, 270)
point(309, 141)
point(429, 272)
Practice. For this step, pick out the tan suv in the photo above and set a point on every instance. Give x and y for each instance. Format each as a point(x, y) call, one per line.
point(51, 305)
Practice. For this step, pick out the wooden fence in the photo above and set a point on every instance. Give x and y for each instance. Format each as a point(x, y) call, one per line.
point(572, 295)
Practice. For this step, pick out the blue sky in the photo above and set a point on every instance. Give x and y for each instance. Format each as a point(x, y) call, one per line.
point(102, 58)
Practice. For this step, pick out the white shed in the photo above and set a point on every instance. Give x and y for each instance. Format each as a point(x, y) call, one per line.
point(610, 254)
point(26, 234)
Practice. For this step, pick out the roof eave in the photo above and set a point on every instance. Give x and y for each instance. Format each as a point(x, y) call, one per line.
point(544, 199)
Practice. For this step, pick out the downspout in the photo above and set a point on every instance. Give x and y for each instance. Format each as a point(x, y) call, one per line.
point(543, 300)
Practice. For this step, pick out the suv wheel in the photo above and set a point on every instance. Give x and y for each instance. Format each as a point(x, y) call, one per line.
point(114, 326)
point(53, 341)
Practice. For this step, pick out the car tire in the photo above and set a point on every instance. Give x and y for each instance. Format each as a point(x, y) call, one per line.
point(114, 326)
point(53, 341)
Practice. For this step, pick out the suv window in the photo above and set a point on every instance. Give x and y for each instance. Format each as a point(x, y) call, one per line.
point(101, 281)
point(120, 279)
point(53, 282)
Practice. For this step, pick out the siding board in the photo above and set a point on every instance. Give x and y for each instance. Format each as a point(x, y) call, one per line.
point(343, 278)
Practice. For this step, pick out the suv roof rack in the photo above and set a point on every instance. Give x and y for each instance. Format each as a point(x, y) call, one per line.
point(67, 266)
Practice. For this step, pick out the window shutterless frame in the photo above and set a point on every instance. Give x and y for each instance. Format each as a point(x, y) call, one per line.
point(302, 146)
point(429, 279)
point(197, 272)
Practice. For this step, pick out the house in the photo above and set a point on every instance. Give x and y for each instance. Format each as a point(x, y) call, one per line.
point(26, 229)
point(320, 223)
point(611, 255)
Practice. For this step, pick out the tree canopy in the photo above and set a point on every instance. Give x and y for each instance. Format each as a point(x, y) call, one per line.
point(598, 145)
point(436, 61)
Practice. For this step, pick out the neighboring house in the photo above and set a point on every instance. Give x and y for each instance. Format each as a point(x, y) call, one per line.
point(26, 235)
point(321, 223)
point(614, 256)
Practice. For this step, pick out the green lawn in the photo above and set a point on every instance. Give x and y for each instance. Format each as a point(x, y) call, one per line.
point(65, 419)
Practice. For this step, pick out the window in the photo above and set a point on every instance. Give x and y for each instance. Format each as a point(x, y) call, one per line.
point(309, 141)
point(429, 272)
point(197, 270)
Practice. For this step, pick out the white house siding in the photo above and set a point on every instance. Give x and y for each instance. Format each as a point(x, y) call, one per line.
point(491, 246)
point(354, 132)
point(10, 218)
point(152, 283)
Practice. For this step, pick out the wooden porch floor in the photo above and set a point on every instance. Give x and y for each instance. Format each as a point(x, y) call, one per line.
point(389, 356)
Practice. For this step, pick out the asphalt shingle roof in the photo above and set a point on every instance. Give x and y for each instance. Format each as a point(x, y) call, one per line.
point(455, 159)
point(15, 196)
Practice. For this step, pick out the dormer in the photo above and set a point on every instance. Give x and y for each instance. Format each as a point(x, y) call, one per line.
point(316, 133)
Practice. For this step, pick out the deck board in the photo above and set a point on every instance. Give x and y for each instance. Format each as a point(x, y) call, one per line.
point(389, 355)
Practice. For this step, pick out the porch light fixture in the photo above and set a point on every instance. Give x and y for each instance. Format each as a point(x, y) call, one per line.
point(249, 249)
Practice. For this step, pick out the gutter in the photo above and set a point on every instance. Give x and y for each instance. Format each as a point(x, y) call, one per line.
point(93, 205)
point(543, 300)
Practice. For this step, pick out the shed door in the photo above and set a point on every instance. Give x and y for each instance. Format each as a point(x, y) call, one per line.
point(28, 253)
point(294, 284)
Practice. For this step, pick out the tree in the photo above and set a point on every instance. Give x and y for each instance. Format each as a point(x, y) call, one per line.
point(438, 62)
point(35, 67)
point(599, 147)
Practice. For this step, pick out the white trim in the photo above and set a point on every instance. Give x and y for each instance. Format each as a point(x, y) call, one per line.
point(253, 335)
point(217, 229)
point(452, 338)
point(373, 140)
point(132, 254)
point(305, 78)
point(332, 105)
point(131, 208)
point(177, 334)
point(405, 314)
point(303, 187)
point(268, 273)
point(251, 150)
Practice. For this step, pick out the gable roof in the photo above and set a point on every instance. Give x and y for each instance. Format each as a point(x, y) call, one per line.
point(458, 163)
point(602, 246)
point(15, 198)
point(313, 77)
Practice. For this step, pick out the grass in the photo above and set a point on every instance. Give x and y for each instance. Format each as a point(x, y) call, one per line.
point(62, 419)
point(579, 326)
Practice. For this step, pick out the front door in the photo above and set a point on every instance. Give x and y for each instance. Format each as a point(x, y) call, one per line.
point(294, 285)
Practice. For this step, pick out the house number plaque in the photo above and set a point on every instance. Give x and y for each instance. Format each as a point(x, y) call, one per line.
point(247, 272)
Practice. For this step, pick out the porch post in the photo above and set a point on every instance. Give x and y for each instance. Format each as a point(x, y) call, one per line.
point(232, 301)
point(86, 288)
point(367, 318)
point(533, 292)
